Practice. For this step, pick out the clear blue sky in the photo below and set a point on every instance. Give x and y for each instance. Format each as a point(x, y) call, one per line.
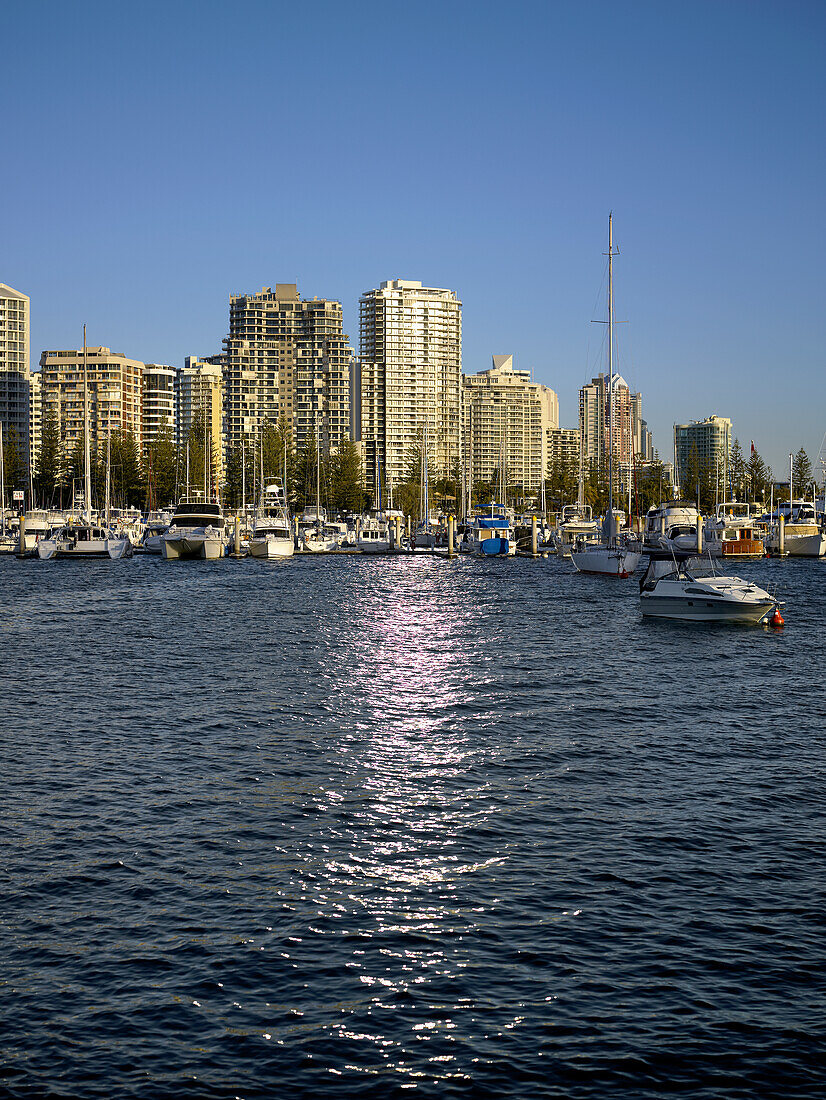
point(159, 156)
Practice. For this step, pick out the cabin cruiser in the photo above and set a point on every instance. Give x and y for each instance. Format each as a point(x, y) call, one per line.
point(80, 539)
point(803, 537)
point(272, 533)
point(672, 524)
point(730, 532)
point(39, 525)
point(196, 531)
point(576, 526)
point(374, 535)
point(674, 587)
point(153, 533)
point(490, 536)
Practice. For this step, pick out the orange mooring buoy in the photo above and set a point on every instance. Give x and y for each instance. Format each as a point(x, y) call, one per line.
point(777, 618)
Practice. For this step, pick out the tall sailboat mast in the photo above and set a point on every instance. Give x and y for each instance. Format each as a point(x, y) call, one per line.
point(108, 474)
point(317, 481)
point(2, 485)
point(87, 460)
point(611, 376)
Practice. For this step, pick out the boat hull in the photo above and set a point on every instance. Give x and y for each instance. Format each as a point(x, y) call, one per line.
point(203, 547)
point(801, 546)
point(319, 546)
point(743, 549)
point(374, 546)
point(48, 549)
point(496, 547)
point(604, 562)
point(271, 549)
point(700, 609)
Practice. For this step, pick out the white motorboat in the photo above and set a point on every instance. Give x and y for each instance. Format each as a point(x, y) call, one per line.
point(374, 535)
point(673, 587)
point(196, 531)
point(576, 525)
point(672, 524)
point(803, 537)
point(272, 533)
point(84, 540)
point(152, 540)
point(39, 524)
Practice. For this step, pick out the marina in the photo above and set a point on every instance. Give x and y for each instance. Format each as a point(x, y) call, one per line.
point(413, 553)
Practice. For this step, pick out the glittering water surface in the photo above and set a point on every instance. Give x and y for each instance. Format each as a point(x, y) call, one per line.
point(374, 827)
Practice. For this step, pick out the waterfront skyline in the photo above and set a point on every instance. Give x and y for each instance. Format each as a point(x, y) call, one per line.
point(481, 155)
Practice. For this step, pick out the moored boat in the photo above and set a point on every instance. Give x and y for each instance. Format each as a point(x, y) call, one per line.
point(673, 587)
point(196, 531)
point(272, 534)
point(731, 534)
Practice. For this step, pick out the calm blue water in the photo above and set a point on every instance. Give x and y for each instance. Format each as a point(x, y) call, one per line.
point(379, 828)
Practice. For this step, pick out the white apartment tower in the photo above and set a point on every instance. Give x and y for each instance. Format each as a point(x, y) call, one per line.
point(507, 418)
point(410, 378)
point(287, 356)
point(14, 367)
point(199, 389)
point(35, 415)
point(158, 401)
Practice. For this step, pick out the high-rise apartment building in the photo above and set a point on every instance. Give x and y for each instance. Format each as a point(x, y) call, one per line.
point(35, 414)
point(594, 426)
point(14, 367)
point(562, 445)
point(287, 356)
point(114, 383)
point(711, 438)
point(641, 438)
point(158, 401)
point(199, 389)
point(410, 378)
point(506, 420)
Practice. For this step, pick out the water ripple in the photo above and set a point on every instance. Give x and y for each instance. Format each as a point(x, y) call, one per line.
point(370, 828)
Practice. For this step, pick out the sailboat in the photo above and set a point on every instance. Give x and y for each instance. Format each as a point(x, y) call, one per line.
point(424, 537)
point(8, 544)
point(318, 538)
point(609, 558)
point(81, 538)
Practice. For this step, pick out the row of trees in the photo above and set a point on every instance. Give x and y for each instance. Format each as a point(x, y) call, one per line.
point(649, 485)
point(308, 472)
point(166, 472)
point(160, 476)
point(744, 479)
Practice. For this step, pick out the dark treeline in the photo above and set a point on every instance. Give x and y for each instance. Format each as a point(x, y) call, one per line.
point(159, 477)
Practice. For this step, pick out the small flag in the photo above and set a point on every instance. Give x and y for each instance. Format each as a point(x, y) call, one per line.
point(752, 448)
